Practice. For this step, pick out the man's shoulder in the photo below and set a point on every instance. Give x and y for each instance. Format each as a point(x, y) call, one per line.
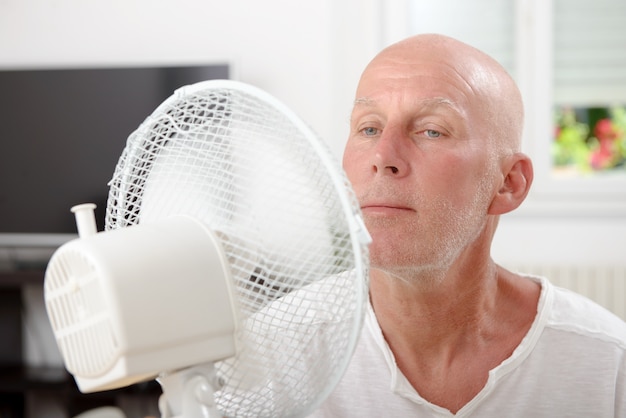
point(573, 312)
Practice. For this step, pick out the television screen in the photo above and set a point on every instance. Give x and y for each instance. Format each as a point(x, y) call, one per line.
point(61, 134)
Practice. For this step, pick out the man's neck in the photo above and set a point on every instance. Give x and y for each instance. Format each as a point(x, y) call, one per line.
point(447, 332)
point(434, 308)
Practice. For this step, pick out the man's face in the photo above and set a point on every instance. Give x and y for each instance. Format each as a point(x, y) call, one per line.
point(420, 160)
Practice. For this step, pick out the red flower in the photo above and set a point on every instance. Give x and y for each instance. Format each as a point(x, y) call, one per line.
point(604, 130)
point(602, 157)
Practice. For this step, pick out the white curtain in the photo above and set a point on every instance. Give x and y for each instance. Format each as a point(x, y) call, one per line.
point(589, 52)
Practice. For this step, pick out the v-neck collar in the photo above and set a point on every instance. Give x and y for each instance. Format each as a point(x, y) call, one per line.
point(400, 385)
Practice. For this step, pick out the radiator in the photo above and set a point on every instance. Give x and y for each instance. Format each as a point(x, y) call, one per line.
point(605, 285)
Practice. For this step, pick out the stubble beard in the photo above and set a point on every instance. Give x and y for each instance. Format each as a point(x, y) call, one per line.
point(437, 239)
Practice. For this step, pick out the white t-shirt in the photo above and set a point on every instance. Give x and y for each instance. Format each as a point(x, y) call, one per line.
point(572, 363)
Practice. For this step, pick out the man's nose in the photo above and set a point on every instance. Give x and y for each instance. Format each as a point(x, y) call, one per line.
point(391, 154)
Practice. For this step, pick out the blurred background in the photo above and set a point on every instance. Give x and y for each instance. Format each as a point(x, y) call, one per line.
point(568, 57)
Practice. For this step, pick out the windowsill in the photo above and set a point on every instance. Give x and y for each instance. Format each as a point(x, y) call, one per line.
point(567, 192)
point(566, 173)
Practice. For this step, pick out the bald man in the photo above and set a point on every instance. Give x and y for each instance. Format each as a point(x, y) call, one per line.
point(434, 158)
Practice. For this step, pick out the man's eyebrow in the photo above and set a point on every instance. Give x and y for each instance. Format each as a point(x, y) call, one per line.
point(439, 101)
point(364, 101)
point(429, 103)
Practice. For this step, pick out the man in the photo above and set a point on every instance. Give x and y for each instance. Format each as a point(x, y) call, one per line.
point(434, 158)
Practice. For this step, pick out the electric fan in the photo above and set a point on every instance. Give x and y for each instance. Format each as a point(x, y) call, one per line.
point(233, 268)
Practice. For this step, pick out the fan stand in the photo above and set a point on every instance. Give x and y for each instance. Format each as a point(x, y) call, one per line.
point(189, 393)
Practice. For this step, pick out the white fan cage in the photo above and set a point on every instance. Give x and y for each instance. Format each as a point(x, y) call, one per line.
point(235, 158)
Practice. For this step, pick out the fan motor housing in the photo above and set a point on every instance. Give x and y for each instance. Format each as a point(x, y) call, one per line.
point(155, 276)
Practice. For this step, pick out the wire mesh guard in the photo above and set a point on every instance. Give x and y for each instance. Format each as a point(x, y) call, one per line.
point(238, 160)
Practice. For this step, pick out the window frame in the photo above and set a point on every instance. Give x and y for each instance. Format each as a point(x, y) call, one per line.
point(599, 194)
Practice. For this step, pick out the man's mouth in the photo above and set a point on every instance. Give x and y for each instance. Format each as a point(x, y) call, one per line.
point(385, 209)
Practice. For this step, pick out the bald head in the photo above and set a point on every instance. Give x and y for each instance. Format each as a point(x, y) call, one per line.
point(482, 81)
point(432, 154)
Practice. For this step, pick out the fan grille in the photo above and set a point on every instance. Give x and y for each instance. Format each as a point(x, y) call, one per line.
point(233, 157)
point(79, 315)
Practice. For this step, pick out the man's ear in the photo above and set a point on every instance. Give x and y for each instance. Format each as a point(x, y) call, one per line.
point(518, 176)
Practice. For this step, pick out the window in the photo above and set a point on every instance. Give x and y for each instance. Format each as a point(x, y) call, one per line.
point(567, 51)
point(590, 87)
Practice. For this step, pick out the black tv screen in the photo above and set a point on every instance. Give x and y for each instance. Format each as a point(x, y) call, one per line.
point(62, 132)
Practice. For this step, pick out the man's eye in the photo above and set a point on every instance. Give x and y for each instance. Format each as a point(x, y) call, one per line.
point(369, 131)
point(431, 133)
